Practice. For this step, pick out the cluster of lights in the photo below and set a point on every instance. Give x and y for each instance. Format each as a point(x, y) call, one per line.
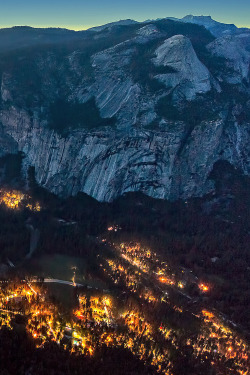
point(15, 199)
point(122, 274)
point(137, 256)
point(98, 320)
point(95, 309)
point(149, 263)
point(42, 315)
point(113, 228)
point(221, 342)
point(98, 314)
point(217, 342)
point(204, 288)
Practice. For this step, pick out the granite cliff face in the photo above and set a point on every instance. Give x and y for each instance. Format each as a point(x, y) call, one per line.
point(166, 110)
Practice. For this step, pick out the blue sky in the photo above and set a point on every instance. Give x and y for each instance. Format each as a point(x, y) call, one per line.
point(81, 14)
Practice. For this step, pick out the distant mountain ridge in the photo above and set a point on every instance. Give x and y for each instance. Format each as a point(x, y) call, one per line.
point(215, 27)
point(26, 36)
point(111, 24)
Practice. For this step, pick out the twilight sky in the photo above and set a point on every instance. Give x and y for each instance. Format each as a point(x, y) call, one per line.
point(81, 14)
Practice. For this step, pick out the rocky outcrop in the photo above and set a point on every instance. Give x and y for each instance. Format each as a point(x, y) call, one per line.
point(148, 30)
point(116, 93)
point(238, 58)
point(189, 76)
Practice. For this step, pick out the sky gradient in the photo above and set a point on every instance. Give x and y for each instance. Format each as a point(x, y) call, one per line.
point(82, 14)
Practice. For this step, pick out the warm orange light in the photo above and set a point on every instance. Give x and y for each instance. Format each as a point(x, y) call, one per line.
point(203, 288)
point(208, 314)
point(13, 200)
point(78, 314)
point(165, 280)
point(180, 285)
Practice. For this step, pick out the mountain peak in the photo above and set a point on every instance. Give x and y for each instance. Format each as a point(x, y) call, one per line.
point(126, 22)
point(203, 18)
point(200, 20)
point(216, 28)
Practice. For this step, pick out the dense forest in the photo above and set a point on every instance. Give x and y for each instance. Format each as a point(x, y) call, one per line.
point(208, 235)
